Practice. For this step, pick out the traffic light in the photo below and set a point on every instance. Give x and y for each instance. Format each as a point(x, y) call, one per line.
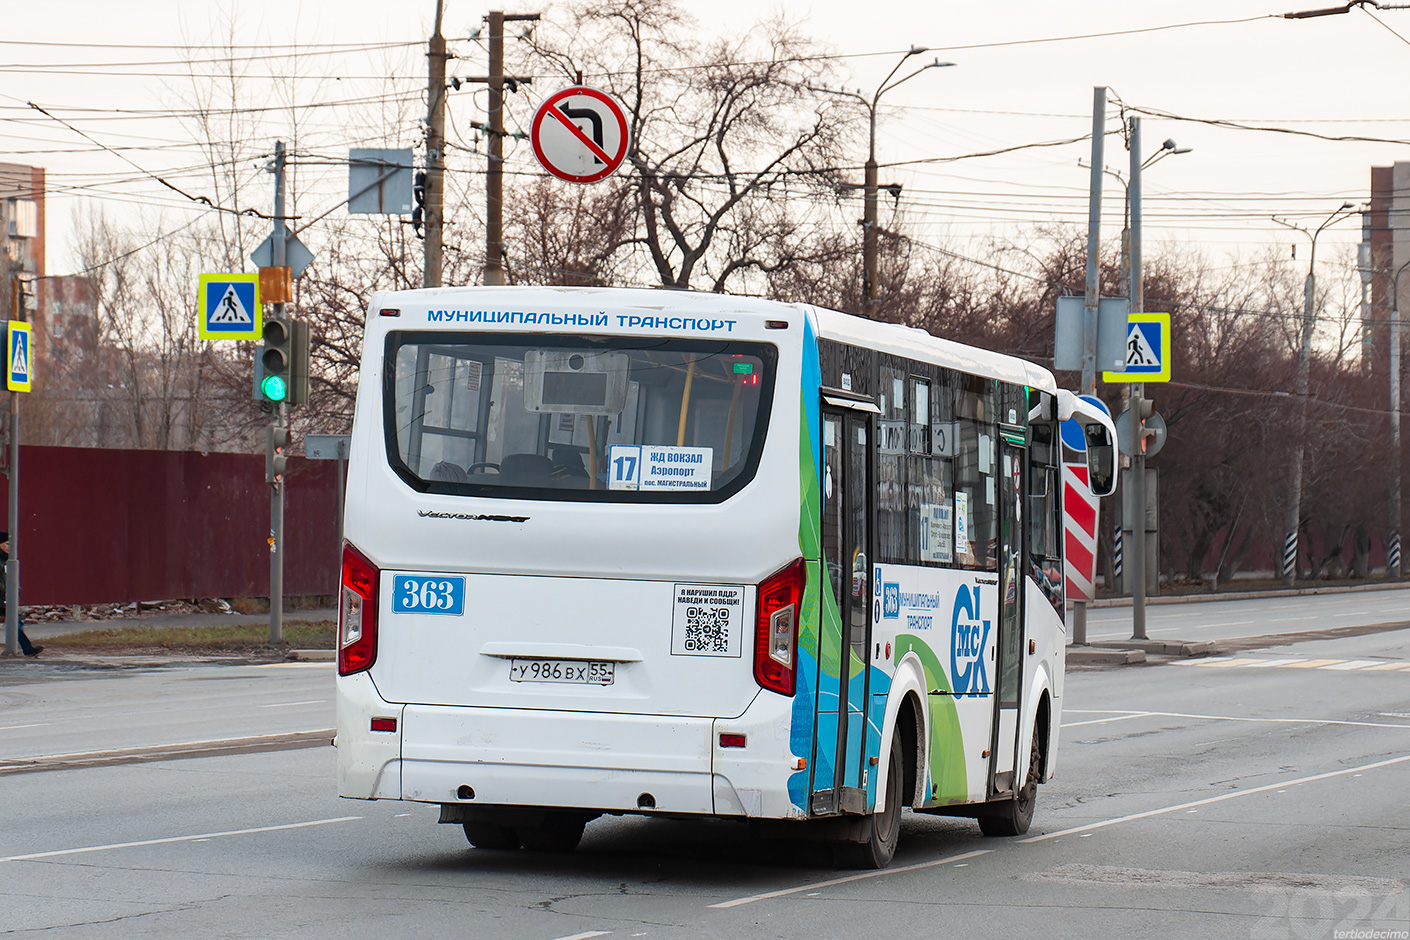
point(298, 362)
point(281, 365)
point(275, 456)
point(276, 360)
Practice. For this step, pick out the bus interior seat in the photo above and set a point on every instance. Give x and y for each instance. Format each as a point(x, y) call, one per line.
point(526, 470)
point(448, 472)
point(568, 464)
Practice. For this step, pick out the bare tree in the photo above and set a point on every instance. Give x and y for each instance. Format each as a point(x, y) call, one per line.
point(721, 136)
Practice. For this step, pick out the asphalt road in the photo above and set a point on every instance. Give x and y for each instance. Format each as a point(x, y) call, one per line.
point(1257, 795)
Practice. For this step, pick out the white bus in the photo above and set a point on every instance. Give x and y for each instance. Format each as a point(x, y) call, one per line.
point(634, 551)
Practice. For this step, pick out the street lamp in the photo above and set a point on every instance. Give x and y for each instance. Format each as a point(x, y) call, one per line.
point(1291, 522)
point(870, 184)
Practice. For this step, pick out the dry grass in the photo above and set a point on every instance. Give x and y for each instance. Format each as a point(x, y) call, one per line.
point(298, 634)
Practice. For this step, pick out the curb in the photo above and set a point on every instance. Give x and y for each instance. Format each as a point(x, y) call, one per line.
point(314, 656)
point(1250, 595)
point(1089, 656)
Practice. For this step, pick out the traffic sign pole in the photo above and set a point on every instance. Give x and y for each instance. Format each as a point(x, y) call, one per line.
point(1138, 439)
point(279, 420)
point(12, 566)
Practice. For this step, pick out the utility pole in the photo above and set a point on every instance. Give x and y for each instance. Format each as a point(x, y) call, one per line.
point(435, 155)
point(1136, 409)
point(279, 422)
point(1292, 522)
point(1393, 566)
point(1093, 298)
point(494, 172)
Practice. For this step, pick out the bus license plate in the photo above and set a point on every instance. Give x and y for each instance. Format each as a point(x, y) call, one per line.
point(562, 670)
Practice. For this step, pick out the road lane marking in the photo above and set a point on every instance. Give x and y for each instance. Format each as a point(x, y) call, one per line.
point(37, 724)
point(171, 839)
point(1224, 662)
point(1279, 721)
point(1273, 662)
point(1352, 664)
point(737, 902)
point(1217, 799)
point(1100, 721)
point(317, 701)
point(1313, 663)
point(586, 936)
point(1384, 666)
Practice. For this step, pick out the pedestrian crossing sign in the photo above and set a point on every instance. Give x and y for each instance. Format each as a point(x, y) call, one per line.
point(229, 306)
point(20, 377)
point(1147, 350)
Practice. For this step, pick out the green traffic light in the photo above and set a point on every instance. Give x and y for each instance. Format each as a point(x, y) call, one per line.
point(274, 388)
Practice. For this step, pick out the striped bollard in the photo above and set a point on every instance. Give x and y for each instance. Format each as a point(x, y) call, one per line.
point(1290, 554)
point(1116, 560)
point(1393, 560)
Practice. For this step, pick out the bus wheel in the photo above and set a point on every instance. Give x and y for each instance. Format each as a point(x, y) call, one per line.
point(883, 828)
point(1013, 817)
point(483, 835)
point(558, 833)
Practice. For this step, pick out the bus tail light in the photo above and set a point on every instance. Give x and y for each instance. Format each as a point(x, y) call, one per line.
point(776, 629)
point(357, 613)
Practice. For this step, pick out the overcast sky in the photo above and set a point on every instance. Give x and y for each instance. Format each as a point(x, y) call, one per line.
point(1338, 76)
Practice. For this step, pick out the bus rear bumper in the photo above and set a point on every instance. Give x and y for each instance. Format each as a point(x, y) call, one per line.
point(565, 759)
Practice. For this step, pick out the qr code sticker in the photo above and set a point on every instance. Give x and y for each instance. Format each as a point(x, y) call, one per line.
point(707, 629)
point(707, 620)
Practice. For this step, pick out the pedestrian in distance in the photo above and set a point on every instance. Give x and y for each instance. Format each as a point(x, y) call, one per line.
point(26, 647)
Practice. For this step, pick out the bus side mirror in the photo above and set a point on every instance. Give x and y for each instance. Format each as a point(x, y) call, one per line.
point(1101, 460)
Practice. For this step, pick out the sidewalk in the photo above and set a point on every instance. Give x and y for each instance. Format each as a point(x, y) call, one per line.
point(1131, 651)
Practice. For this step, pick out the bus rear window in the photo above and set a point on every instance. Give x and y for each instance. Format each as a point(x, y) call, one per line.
point(542, 417)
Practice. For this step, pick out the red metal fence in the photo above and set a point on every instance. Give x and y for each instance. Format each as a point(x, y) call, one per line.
point(104, 526)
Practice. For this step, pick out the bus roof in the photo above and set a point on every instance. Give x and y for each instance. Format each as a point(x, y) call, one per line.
point(917, 344)
point(891, 338)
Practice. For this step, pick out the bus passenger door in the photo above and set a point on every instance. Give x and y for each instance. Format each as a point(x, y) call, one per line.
point(839, 779)
point(1009, 671)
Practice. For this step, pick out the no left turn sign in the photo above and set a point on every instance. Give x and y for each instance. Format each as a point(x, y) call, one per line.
point(580, 134)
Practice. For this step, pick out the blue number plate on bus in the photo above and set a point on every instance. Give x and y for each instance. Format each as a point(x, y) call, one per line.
point(428, 594)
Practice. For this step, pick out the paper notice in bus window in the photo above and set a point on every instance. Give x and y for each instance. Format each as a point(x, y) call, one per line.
point(659, 467)
point(708, 620)
point(936, 533)
point(962, 523)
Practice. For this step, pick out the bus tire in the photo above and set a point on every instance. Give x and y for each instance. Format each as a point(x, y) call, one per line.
point(1013, 817)
point(484, 835)
point(557, 833)
point(883, 829)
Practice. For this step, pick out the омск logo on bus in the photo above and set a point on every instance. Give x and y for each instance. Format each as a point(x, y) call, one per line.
point(969, 634)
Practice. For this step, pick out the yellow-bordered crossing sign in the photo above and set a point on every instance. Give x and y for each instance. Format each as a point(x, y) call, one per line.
point(20, 376)
point(1147, 350)
point(228, 306)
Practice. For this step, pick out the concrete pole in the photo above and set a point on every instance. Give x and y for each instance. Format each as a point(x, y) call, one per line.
point(494, 171)
point(1304, 361)
point(435, 154)
point(1089, 313)
point(869, 222)
point(1393, 563)
point(1138, 443)
point(1292, 519)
